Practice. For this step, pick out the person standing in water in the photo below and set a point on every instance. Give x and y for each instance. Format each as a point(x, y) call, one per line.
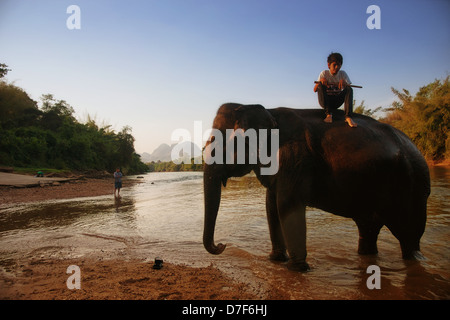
point(117, 182)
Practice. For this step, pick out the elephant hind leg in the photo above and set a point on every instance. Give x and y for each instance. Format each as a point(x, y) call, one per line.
point(408, 229)
point(369, 227)
point(410, 241)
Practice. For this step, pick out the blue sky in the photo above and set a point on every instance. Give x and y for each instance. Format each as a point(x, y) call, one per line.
point(161, 65)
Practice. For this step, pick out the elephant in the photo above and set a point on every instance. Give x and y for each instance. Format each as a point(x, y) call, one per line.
point(373, 174)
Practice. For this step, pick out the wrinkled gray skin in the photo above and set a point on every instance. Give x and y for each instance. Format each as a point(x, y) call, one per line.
point(373, 174)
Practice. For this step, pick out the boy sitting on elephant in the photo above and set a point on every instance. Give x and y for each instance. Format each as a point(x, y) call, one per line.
point(333, 89)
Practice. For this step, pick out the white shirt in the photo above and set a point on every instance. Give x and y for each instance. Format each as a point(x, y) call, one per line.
point(334, 79)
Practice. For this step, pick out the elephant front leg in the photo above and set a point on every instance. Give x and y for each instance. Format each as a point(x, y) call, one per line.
point(293, 224)
point(276, 235)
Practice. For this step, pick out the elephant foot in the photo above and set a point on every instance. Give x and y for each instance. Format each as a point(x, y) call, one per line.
point(413, 255)
point(411, 251)
point(278, 255)
point(367, 252)
point(298, 266)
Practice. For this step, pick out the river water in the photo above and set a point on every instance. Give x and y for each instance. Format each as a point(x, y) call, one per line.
point(163, 216)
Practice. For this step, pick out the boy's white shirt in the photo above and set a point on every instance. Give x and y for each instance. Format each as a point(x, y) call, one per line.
point(334, 79)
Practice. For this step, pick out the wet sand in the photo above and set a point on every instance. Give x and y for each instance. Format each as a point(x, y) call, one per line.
point(117, 279)
point(87, 187)
point(44, 277)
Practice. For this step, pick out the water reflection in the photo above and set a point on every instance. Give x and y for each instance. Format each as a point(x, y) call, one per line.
point(65, 213)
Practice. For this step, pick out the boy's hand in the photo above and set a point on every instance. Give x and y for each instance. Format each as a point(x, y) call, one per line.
point(323, 81)
point(342, 84)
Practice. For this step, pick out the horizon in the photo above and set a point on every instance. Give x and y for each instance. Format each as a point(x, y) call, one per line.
point(159, 66)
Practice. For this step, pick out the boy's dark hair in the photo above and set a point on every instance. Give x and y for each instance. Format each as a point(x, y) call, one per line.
point(335, 57)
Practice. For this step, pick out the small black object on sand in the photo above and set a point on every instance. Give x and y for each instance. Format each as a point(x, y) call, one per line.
point(158, 263)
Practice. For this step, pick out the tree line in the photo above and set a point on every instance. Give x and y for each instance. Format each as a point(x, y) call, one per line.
point(50, 136)
point(169, 166)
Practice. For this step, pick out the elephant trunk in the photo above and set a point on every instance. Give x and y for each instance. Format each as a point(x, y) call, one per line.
point(212, 193)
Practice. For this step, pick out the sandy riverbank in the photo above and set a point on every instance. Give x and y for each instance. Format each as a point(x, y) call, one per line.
point(86, 187)
point(44, 278)
point(117, 279)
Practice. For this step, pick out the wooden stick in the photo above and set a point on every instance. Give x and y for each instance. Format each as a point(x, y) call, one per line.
point(351, 85)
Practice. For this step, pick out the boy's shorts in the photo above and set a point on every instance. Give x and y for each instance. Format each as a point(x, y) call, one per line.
point(117, 185)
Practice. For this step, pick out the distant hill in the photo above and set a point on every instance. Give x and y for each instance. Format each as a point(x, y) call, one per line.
point(164, 152)
point(145, 157)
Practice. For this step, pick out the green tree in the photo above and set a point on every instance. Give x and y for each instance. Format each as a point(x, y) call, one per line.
point(56, 113)
point(362, 109)
point(50, 136)
point(425, 118)
point(3, 70)
point(16, 107)
point(124, 147)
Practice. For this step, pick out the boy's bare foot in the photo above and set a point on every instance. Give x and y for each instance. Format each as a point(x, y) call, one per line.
point(328, 119)
point(350, 122)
